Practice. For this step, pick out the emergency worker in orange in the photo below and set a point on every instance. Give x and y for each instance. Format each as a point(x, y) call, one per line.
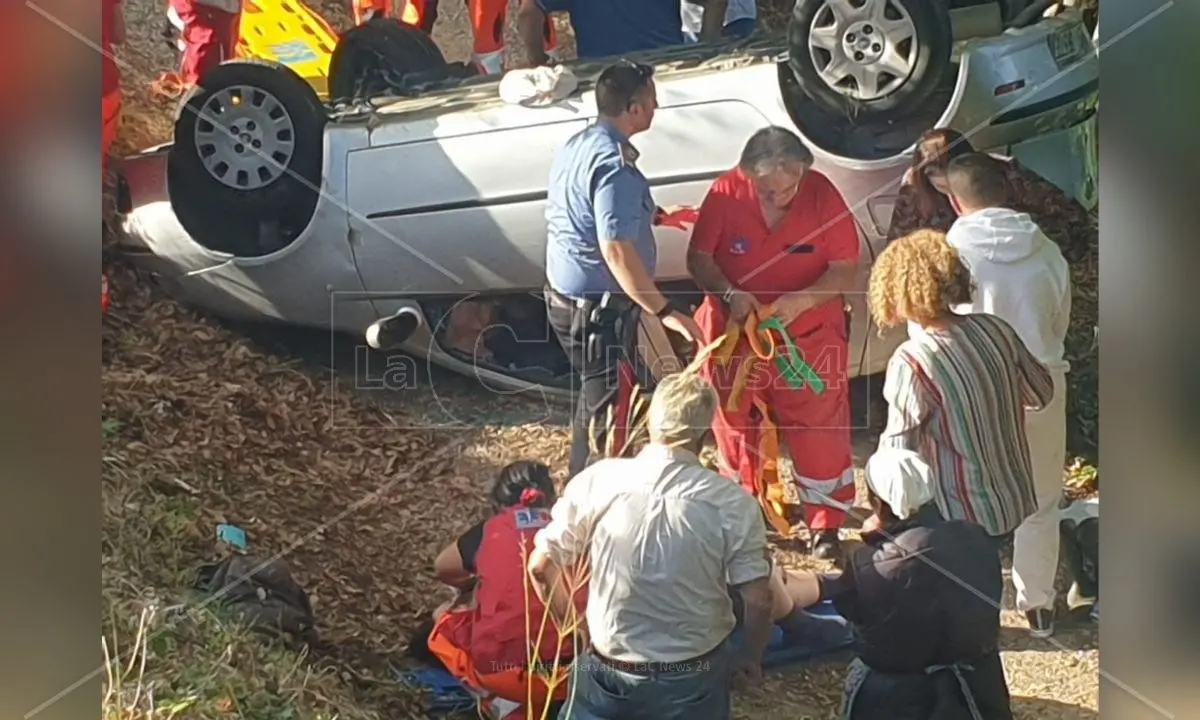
point(774, 232)
point(412, 12)
point(209, 30)
point(488, 19)
point(485, 638)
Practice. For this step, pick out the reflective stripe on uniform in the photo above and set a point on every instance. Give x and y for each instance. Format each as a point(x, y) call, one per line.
point(822, 492)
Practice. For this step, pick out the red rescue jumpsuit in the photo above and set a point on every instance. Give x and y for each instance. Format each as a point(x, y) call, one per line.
point(409, 11)
point(486, 645)
point(488, 18)
point(815, 427)
point(210, 33)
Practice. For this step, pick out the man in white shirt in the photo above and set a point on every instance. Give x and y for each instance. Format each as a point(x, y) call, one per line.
point(666, 539)
point(740, 17)
point(1021, 277)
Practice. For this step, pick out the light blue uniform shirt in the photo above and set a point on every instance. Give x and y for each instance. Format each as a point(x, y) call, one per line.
point(595, 193)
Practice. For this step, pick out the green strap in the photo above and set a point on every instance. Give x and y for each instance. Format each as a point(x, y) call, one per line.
point(795, 371)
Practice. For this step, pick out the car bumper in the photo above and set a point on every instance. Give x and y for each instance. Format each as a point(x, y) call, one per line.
point(312, 283)
point(1014, 87)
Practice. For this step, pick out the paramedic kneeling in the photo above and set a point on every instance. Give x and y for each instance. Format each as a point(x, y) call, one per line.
point(601, 255)
point(666, 538)
point(483, 639)
point(774, 231)
point(924, 595)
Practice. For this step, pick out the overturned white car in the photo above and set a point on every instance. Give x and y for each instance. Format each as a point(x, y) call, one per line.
point(383, 212)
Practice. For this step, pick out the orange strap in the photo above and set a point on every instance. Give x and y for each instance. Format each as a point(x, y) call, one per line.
point(762, 347)
point(729, 342)
point(739, 384)
point(755, 338)
point(767, 486)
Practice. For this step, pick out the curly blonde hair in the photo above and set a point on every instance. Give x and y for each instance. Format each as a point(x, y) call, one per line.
point(917, 278)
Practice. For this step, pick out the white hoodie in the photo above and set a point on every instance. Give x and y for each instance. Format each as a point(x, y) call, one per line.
point(1020, 276)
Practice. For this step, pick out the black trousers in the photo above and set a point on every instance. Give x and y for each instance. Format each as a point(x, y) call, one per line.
point(936, 696)
point(597, 341)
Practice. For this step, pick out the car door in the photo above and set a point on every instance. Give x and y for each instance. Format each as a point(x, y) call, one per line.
point(457, 211)
point(465, 213)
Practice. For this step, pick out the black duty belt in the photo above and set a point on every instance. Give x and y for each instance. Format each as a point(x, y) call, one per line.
point(608, 300)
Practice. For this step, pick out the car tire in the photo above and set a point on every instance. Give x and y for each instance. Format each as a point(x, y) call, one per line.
point(273, 175)
point(371, 58)
point(922, 57)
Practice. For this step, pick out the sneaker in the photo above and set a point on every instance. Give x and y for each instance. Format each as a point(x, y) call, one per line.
point(826, 545)
point(1076, 598)
point(1041, 623)
point(1095, 613)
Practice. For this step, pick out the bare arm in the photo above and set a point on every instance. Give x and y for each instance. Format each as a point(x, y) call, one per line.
point(561, 546)
point(530, 20)
point(631, 274)
point(756, 598)
point(702, 266)
point(840, 278)
point(449, 570)
point(749, 571)
point(551, 585)
point(714, 20)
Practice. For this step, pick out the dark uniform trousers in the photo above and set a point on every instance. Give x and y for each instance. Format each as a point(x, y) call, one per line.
point(599, 338)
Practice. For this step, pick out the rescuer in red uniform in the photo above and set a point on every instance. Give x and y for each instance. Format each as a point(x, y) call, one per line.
point(209, 34)
point(774, 231)
point(488, 19)
point(486, 642)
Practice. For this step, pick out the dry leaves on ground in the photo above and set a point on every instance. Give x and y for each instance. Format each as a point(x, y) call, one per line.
point(201, 426)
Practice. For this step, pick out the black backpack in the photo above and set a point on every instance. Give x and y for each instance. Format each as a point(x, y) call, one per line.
point(262, 594)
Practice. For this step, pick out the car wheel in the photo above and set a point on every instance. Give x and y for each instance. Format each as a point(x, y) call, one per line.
point(248, 151)
point(374, 57)
point(867, 58)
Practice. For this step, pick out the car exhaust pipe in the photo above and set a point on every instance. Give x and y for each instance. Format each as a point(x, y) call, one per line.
point(389, 332)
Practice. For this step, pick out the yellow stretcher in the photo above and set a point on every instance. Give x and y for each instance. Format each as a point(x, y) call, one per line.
point(291, 33)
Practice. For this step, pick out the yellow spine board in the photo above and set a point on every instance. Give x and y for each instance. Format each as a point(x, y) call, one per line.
point(290, 33)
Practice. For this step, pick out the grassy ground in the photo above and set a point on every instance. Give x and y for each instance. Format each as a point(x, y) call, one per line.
point(354, 490)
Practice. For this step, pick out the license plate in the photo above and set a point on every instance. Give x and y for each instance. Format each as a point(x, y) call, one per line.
point(1068, 45)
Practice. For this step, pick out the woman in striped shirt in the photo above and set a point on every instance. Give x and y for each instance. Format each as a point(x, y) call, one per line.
point(958, 390)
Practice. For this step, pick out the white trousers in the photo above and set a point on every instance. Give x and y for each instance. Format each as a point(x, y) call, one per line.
point(1036, 541)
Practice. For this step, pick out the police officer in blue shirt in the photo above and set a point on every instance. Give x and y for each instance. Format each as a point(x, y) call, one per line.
point(600, 251)
point(609, 28)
